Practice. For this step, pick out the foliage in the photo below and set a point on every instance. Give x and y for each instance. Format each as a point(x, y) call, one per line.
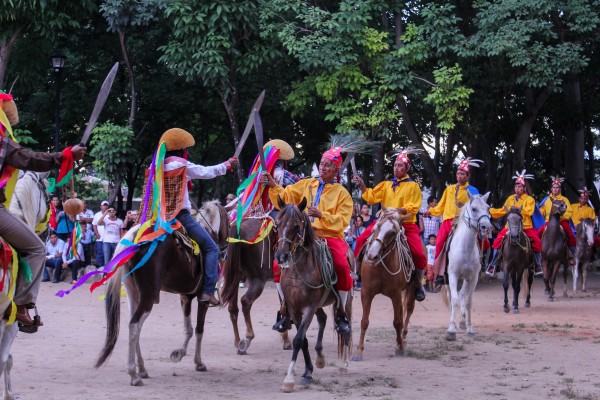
point(111, 149)
point(120, 14)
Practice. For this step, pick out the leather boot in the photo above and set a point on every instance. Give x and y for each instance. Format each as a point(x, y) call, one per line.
point(491, 269)
point(210, 299)
point(537, 268)
point(419, 292)
point(342, 324)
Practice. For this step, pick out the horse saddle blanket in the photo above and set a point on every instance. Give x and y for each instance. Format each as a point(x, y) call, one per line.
point(184, 240)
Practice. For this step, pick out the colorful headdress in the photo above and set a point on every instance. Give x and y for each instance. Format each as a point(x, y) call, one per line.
point(402, 154)
point(468, 162)
point(348, 143)
point(557, 180)
point(521, 177)
point(584, 192)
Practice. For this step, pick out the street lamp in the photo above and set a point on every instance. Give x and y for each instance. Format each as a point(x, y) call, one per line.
point(58, 62)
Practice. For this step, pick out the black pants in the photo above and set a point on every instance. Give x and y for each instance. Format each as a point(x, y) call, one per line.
point(75, 265)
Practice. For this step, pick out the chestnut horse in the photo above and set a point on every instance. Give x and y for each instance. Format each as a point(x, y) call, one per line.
point(554, 249)
point(583, 251)
point(517, 258)
point(172, 268)
point(307, 280)
point(388, 269)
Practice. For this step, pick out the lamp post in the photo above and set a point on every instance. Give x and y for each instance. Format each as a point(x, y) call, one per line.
point(58, 62)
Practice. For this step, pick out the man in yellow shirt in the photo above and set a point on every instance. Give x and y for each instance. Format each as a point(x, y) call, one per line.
point(583, 210)
point(330, 213)
point(546, 207)
point(519, 199)
point(404, 194)
point(449, 206)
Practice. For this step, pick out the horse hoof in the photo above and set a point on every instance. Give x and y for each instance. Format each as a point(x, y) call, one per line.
point(565, 296)
point(304, 381)
point(136, 382)
point(357, 357)
point(342, 370)
point(462, 325)
point(320, 362)
point(177, 355)
point(243, 346)
point(584, 290)
point(527, 305)
point(287, 387)
point(143, 374)
point(287, 345)
point(516, 311)
point(506, 309)
point(399, 353)
point(547, 292)
point(451, 336)
point(201, 367)
point(470, 335)
point(551, 299)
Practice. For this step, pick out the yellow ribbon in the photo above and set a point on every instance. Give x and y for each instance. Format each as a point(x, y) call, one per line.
point(14, 270)
point(265, 232)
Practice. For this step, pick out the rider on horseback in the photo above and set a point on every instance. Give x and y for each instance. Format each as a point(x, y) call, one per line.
point(453, 198)
point(22, 238)
point(583, 210)
point(546, 206)
point(330, 214)
point(177, 142)
point(404, 194)
point(519, 199)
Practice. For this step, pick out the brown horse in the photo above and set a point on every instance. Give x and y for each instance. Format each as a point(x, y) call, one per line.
point(172, 268)
point(307, 285)
point(517, 258)
point(583, 251)
point(554, 249)
point(387, 269)
point(252, 262)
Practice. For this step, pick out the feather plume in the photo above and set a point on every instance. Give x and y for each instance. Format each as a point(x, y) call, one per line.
point(351, 143)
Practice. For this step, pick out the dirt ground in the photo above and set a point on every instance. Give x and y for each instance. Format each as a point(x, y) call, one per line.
point(548, 351)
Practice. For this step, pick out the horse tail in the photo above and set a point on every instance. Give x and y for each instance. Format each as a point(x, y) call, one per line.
point(232, 273)
point(445, 293)
point(113, 316)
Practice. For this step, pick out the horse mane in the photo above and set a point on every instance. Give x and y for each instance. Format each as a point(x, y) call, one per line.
point(24, 204)
point(514, 210)
point(289, 211)
point(212, 216)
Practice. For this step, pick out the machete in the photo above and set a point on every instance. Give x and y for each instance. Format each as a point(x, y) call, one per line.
point(349, 156)
point(100, 101)
point(249, 124)
point(258, 132)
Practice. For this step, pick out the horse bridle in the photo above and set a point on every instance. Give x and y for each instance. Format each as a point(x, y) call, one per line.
point(298, 240)
point(468, 220)
point(517, 242)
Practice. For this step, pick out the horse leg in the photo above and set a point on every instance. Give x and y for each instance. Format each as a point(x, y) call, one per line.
point(366, 299)
point(322, 320)
point(186, 308)
point(462, 324)
point(452, 284)
point(8, 334)
point(516, 282)
point(469, 288)
point(297, 344)
point(135, 327)
point(306, 378)
point(529, 278)
point(547, 274)
point(575, 275)
point(200, 319)
point(584, 267)
point(505, 286)
point(255, 289)
point(398, 321)
point(233, 316)
point(565, 276)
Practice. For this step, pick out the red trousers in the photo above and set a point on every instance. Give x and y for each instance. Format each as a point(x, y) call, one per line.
point(362, 239)
point(571, 242)
point(536, 243)
point(339, 249)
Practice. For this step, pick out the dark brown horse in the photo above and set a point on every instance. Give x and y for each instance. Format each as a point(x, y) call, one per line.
point(307, 287)
point(172, 268)
point(387, 269)
point(517, 258)
point(554, 249)
point(252, 262)
point(583, 251)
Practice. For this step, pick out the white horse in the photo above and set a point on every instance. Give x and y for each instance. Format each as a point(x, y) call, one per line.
point(31, 208)
point(464, 260)
point(583, 251)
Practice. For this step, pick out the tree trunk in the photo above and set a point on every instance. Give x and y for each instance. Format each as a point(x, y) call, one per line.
point(575, 140)
point(6, 47)
point(230, 107)
point(125, 53)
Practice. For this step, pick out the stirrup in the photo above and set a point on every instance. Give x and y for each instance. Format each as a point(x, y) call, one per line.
point(282, 324)
point(342, 325)
point(420, 293)
point(491, 270)
point(538, 270)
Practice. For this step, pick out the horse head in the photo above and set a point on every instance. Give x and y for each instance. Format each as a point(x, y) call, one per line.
point(293, 227)
point(386, 229)
point(476, 213)
point(585, 231)
point(558, 207)
point(514, 221)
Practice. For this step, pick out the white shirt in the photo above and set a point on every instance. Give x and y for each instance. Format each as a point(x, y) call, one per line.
point(194, 171)
point(86, 214)
point(66, 257)
point(112, 230)
point(100, 227)
point(53, 249)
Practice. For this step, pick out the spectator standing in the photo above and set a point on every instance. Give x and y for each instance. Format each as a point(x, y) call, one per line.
point(64, 224)
point(112, 232)
point(429, 273)
point(99, 234)
point(54, 250)
point(365, 214)
point(130, 219)
point(71, 261)
point(87, 239)
point(429, 224)
point(355, 231)
point(86, 216)
point(54, 208)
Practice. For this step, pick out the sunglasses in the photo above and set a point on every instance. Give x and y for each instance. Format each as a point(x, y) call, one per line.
point(111, 211)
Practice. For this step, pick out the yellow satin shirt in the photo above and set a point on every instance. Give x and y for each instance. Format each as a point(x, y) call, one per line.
point(525, 201)
point(580, 212)
point(547, 207)
point(406, 195)
point(447, 204)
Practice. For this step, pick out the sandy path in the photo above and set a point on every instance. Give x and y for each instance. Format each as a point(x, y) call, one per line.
point(550, 350)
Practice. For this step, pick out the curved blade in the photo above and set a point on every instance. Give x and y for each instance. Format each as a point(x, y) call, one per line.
point(349, 156)
point(249, 124)
point(100, 101)
point(258, 132)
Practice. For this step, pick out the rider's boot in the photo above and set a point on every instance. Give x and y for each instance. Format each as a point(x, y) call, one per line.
point(419, 292)
point(571, 256)
point(537, 267)
point(283, 320)
point(23, 317)
point(342, 323)
point(491, 269)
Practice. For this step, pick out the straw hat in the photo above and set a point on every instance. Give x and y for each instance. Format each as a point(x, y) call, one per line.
point(286, 152)
point(177, 139)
